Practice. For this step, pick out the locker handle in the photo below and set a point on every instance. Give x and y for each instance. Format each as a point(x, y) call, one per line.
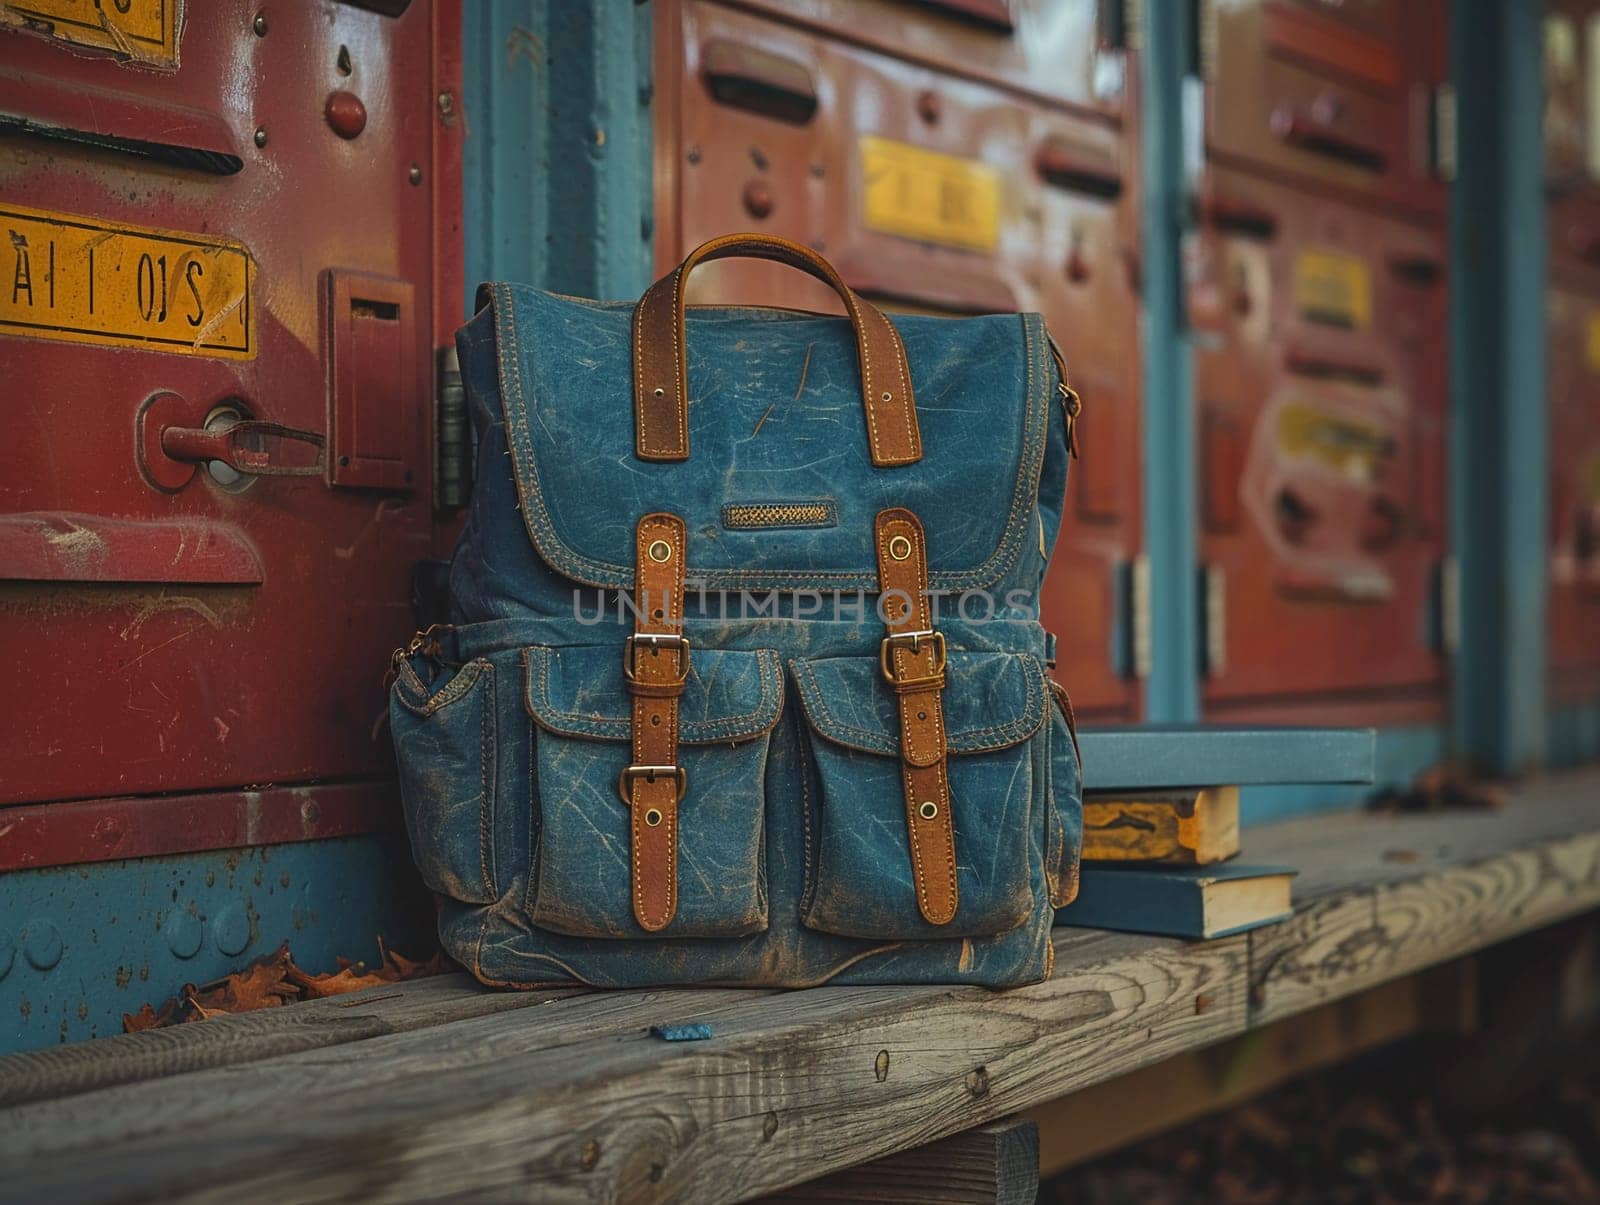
point(1584, 243)
point(747, 77)
point(58, 111)
point(1307, 134)
point(1061, 165)
point(1331, 368)
point(1419, 271)
point(1233, 216)
point(994, 13)
point(249, 446)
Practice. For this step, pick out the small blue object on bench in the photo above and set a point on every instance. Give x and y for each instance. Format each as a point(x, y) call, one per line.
point(1149, 757)
point(697, 1031)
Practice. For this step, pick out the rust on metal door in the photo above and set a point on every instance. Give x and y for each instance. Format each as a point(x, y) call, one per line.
point(1574, 416)
point(1321, 380)
point(931, 191)
point(228, 261)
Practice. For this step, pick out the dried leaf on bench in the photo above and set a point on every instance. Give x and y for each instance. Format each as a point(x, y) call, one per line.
point(275, 979)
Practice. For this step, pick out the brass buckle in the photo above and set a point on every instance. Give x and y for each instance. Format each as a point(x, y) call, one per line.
point(656, 642)
point(650, 774)
point(418, 642)
point(912, 641)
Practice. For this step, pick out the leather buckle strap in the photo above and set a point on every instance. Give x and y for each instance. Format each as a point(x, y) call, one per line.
point(653, 784)
point(912, 641)
point(655, 642)
point(650, 774)
point(912, 658)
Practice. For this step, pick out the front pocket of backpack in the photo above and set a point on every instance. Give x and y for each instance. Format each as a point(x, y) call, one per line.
point(444, 741)
point(861, 876)
point(581, 881)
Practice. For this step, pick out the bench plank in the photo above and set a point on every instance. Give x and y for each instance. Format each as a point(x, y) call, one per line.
point(579, 1099)
point(1380, 896)
point(996, 1164)
point(247, 1037)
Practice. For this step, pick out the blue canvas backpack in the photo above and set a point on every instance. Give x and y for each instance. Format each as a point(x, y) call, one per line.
point(744, 681)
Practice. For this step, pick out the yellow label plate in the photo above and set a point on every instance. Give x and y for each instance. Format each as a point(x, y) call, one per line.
point(144, 30)
point(1334, 288)
point(86, 281)
point(924, 195)
point(1591, 343)
point(1357, 450)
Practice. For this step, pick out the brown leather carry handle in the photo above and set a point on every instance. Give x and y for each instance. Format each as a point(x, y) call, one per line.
point(660, 382)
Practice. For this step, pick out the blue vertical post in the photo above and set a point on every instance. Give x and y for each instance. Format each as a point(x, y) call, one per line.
point(558, 181)
point(1169, 93)
point(1500, 435)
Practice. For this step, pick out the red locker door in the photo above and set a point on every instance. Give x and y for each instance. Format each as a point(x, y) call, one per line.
point(1065, 51)
point(246, 218)
point(770, 125)
point(1574, 391)
point(1339, 94)
point(1321, 386)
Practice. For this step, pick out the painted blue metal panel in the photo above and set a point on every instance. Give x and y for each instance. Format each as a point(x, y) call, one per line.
point(1499, 446)
point(1574, 734)
point(558, 173)
point(1202, 755)
point(82, 945)
point(1172, 692)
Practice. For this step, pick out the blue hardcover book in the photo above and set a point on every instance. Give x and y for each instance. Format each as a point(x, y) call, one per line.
point(1180, 901)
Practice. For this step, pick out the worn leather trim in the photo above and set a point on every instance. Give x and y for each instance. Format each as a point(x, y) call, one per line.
point(580, 567)
point(720, 729)
point(661, 399)
point(918, 683)
point(885, 742)
point(656, 685)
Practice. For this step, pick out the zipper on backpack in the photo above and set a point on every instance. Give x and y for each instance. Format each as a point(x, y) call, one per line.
point(1071, 403)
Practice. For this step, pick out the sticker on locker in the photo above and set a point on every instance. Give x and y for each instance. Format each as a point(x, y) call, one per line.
point(1333, 288)
point(81, 280)
point(924, 195)
point(145, 31)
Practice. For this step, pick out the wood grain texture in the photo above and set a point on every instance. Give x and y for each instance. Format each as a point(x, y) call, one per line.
point(577, 1099)
point(995, 1164)
point(1379, 897)
point(247, 1037)
point(1074, 1129)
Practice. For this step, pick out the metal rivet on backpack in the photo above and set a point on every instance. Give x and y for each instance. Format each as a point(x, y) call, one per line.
point(928, 809)
point(660, 551)
point(659, 392)
point(899, 548)
point(652, 817)
point(887, 396)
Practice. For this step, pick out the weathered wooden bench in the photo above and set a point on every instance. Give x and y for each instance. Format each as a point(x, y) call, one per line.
point(438, 1088)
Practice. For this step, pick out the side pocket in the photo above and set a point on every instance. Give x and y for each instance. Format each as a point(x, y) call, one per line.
point(444, 743)
point(1066, 800)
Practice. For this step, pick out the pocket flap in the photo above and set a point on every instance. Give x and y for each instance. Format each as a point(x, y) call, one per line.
point(731, 695)
point(991, 701)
